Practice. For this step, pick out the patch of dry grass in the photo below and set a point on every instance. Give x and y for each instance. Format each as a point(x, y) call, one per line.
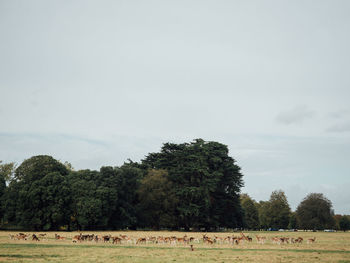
point(329, 247)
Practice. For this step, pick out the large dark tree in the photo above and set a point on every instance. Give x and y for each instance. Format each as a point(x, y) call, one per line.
point(315, 212)
point(7, 171)
point(37, 195)
point(7, 199)
point(251, 214)
point(36, 167)
point(87, 206)
point(279, 211)
point(344, 223)
point(128, 178)
point(206, 181)
point(45, 203)
point(108, 191)
point(157, 200)
point(2, 191)
point(276, 212)
point(293, 221)
point(263, 209)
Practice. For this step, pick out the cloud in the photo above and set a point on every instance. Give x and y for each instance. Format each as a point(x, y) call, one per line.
point(81, 151)
point(340, 127)
point(339, 114)
point(296, 115)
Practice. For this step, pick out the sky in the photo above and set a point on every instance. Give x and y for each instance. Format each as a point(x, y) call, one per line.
point(96, 83)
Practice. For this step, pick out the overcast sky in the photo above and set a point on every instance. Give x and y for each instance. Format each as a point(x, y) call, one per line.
point(97, 82)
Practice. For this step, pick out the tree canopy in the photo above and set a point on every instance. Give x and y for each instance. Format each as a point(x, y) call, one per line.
point(274, 213)
point(193, 185)
point(157, 200)
point(315, 212)
point(250, 212)
point(206, 182)
point(344, 223)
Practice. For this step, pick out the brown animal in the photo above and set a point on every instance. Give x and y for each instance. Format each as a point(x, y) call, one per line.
point(298, 240)
point(248, 238)
point(311, 240)
point(43, 236)
point(260, 240)
point(106, 238)
point(21, 236)
point(76, 238)
point(117, 240)
point(141, 240)
point(35, 238)
point(181, 239)
point(207, 240)
point(191, 239)
point(59, 237)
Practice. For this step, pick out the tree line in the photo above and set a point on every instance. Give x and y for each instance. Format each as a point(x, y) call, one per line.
point(313, 213)
point(194, 185)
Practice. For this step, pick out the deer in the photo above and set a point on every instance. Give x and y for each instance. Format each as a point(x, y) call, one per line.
point(248, 238)
point(117, 240)
point(21, 236)
point(207, 239)
point(59, 237)
point(298, 240)
point(35, 238)
point(43, 236)
point(218, 240)
point(260, 240)
point(311, 240)
point(141, 240)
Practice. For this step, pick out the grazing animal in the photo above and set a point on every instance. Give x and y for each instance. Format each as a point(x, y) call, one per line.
point(207, 239)
point(43, 236)
point(117, 240)
point(35, 238)
point(247, 238)
point(260, 240)
point(141, 240)
point(106, 238)
point(21, 236)
point(299, 240)
point(76, 238)
point(311, 240)
point(59, 237)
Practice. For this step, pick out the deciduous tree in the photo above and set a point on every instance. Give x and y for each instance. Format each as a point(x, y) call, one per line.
point(315, 212)
point(250, 211)
point(37, 193)
point(344, 223)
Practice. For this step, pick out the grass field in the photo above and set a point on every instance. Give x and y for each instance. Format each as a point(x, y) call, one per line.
point(329, 247)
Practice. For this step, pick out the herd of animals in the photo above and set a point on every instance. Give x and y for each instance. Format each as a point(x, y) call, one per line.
point(173, 240)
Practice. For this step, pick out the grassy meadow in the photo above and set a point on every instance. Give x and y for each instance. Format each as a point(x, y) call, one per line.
point(328, 247)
